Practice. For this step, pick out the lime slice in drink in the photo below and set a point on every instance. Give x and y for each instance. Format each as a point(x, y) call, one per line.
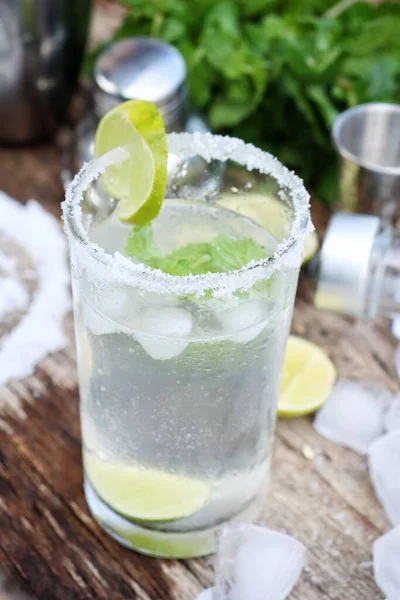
point(138, 182)
point(311, 245)
point(268, 212)
point(307, 378)
point(167, 545)
point(145, 494)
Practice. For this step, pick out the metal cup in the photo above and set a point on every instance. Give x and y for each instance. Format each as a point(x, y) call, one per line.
point(42, 44)
point(367, 138)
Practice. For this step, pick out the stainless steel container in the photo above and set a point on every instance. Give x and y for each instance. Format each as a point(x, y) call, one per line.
point(350, 264)
point(367, 138)
point(42, 44)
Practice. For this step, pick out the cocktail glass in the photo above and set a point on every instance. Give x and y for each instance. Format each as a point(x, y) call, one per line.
point(179, 375)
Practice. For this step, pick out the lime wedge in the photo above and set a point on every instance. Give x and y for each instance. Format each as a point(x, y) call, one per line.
point(268, 212)
point(307, 378)
point(138, 182)
point(145, 494)
point(311, 245)
point(170, 545)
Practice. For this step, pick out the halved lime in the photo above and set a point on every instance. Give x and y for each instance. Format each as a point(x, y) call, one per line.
point(138, 182)
point(307, 379)
point(268, 212)
point(145, 494)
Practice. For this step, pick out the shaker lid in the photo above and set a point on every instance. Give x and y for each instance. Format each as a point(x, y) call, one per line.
point(143, 69)
point(345, 263)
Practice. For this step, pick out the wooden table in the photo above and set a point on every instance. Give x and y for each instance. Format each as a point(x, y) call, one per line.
point(51, 548)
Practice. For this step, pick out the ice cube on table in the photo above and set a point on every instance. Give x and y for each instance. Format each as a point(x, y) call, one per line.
point(392, 415)
point(255, 563)
point(245, 321)
point(384, 468)
point(396, 327)
point(386, 558)
point(397, 360)
point(353, 415)
point(208, 594)
point(163, 331)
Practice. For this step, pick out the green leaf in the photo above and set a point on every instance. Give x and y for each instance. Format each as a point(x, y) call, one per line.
point(222, 255)
point(326, 108)
point(253, 8)
point(173, 30)
point(226, 113)
point(276, 73)
point(141, 244)
point(192, 259)
point(230, 254)
point(303, 105)
point(379, 34)
point(224, 18)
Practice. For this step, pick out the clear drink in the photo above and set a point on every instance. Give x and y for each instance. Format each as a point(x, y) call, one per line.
point(179, 375)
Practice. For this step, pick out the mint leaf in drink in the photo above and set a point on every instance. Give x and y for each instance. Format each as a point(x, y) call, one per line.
point(230, 254)
point(192, 259)
point(141, 244)
point(222, 255)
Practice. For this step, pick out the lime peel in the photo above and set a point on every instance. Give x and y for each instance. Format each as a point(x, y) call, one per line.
point(139, 183)
point(145, 494)
point(307, 379)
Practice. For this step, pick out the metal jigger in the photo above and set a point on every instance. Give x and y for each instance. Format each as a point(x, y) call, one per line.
point(367, 138)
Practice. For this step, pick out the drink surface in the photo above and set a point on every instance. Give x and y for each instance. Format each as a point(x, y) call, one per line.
point(179, 392)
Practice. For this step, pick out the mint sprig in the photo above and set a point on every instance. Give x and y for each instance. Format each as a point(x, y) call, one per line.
point(222, 255)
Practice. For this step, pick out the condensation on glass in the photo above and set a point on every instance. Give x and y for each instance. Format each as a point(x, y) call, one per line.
point(179, 376)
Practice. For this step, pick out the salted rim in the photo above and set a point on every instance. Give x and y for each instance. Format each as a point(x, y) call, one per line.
point(209, 147)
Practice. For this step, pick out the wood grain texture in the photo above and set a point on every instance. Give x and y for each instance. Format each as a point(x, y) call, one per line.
point(50, 547)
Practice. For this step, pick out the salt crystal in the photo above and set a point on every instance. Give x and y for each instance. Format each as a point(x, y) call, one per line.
point(386, 557)
point(308, 452)
point(384, 461)
point(14, 296)
point(353, 415)
point(339, 516)
point(40, 331)
point(7, 264)
point(392, 415)
point(288, 253)
point(254, 563)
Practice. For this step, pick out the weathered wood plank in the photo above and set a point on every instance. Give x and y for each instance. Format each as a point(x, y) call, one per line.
point(327, 502)
point(50, 547)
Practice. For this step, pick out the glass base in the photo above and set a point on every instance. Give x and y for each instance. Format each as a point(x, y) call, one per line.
point(155, 542)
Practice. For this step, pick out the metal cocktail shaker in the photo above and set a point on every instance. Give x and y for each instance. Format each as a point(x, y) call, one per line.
point(367, 138)
point(42, 44)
